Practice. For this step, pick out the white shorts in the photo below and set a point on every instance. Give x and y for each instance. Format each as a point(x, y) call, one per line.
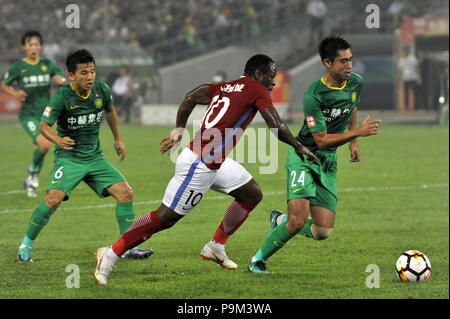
point(193, 179)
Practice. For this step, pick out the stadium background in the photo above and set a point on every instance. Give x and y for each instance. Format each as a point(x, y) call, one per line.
point(172, 46)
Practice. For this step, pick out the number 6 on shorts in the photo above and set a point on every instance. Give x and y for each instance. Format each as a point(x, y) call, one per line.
point(59, 173)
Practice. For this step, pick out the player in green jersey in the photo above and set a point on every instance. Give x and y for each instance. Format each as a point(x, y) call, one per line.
point(33, 75)
point(78, 109)
point(329, 105)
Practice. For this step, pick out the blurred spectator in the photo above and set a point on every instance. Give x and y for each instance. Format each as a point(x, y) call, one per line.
point(190, 31)
point(222, 24)
point(111, 78)
point(317, 10)
point(409, 74)
point(395, 10)
point(358, 66)
point(123, 92)
point(220, 76)
point(51, 50)
point(157, 26)
point(223, 19)
point(152, 22)
point(251, 21)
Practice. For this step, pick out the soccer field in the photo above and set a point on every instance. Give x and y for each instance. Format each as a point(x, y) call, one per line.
point(395, 199)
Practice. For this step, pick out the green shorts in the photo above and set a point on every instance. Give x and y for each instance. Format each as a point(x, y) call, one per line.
point(98, 173)
point(317, 182)
point(31, 126)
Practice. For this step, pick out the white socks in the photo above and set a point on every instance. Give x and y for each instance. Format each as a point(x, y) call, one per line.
point(111, 254)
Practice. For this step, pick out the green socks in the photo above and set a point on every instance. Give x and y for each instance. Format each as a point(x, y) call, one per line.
point(124, 213)
point(38, 160)
point(125, 216)
point(277, 239)
point(38, 220)
point(306, 230)
point(41, 215)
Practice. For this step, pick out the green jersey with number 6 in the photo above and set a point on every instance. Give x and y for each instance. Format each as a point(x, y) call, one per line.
point(35, 80)
point(328, 109)
point(79, 118)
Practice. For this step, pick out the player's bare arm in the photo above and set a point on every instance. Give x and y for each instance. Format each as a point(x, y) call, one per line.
point(367, 128)
point(273, 121)
point(199, 95)
point(20, 94)
point(47, 131)
point(355, 155)
point(113, 122)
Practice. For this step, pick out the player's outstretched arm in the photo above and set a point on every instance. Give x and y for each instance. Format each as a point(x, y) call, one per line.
point(199, 95)
point(274, 122)
point(47, 131)
point(367, 128)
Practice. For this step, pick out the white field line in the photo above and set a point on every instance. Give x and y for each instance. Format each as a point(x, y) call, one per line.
point(222, 197)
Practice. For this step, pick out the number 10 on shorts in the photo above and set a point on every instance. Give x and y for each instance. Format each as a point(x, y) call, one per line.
point(193, 200)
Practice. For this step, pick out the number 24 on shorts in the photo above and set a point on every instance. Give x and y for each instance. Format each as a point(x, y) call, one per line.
point(301, 178)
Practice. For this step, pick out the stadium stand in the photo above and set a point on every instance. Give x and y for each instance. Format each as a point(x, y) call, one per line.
point(152, 37)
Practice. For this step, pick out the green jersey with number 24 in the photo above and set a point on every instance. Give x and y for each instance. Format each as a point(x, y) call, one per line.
point(328, 109)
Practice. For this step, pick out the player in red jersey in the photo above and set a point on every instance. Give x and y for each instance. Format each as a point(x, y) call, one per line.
point(204, 165)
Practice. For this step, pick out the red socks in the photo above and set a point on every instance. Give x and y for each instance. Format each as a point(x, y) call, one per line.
point(235, 215)
point(145, 226)
point(142, 229)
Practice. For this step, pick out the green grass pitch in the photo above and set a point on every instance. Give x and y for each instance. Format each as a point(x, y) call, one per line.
point(395, 199)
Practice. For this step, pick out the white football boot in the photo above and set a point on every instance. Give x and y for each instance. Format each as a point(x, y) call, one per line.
point(105, 265)
point(35, 180)
point(210, 252)
point(31, 183)
point(28, 185)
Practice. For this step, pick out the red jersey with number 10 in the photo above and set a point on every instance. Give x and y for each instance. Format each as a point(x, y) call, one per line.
point(232, 107)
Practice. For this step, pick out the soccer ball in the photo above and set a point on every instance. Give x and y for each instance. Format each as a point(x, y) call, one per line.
point(413, 265)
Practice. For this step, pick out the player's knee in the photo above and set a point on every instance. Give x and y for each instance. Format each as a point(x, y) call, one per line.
point(53, 203)
point(258, 197)
point(129, 194)
point(125, 194)
point(167, 223)
point(45, 148)
point(320, 232)
point(295, 223)
point(43, 144)
point(167, 217)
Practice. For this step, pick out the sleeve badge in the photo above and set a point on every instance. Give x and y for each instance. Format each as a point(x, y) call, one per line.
point(310, 121)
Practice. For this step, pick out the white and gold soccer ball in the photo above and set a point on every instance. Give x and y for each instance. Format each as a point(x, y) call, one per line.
point(413, 265)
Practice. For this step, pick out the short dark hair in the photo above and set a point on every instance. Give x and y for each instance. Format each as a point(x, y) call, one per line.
point(31, 34)
point(258, 61)
point(78, 57)
point(330, 46)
